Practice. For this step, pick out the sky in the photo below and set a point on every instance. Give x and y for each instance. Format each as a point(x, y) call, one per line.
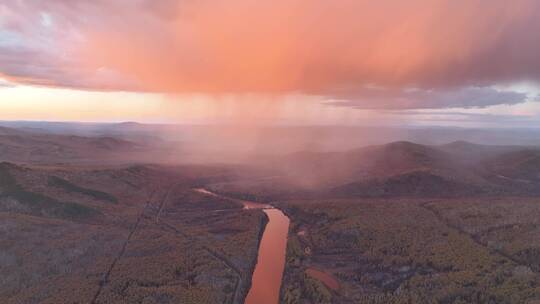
point(354, 62)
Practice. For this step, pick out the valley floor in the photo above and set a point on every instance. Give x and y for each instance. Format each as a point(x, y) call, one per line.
point(141, 234)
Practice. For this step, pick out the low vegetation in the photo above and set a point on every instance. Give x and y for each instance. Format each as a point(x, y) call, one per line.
point(55, 181)
point(403, 223)
point(161, 242)
point(414, 251)
point(13, 197)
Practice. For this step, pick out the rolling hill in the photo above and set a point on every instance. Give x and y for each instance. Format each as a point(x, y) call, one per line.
point(25, 146)
point(407, 169)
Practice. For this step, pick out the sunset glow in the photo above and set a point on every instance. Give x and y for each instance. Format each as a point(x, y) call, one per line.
point(378, 59)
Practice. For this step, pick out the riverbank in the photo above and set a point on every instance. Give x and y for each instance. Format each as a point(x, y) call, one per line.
point(253, 262)
point(268, 274)
point(266, 279)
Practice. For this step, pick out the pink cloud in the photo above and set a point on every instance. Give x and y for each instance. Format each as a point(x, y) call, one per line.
point(314, 47)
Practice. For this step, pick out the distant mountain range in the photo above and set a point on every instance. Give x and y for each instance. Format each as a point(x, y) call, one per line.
point(288, 138)
point(18, 145)
point(400, 168)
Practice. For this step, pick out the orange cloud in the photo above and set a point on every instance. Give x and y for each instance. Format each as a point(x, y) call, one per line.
point(317, 46)
point(313, 47)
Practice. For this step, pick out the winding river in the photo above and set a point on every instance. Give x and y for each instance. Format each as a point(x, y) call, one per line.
point(266, 280)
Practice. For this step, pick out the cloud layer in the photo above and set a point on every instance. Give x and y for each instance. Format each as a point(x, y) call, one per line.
point(404, 99)
point(417, 53)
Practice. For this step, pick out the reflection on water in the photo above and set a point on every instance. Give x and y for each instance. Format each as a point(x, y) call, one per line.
point(266, 280)
point(252, 205)
point(271, 260)
point(247, 204)
point(204, 191)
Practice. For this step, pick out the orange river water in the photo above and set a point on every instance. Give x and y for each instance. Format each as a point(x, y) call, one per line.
point(266, 280)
